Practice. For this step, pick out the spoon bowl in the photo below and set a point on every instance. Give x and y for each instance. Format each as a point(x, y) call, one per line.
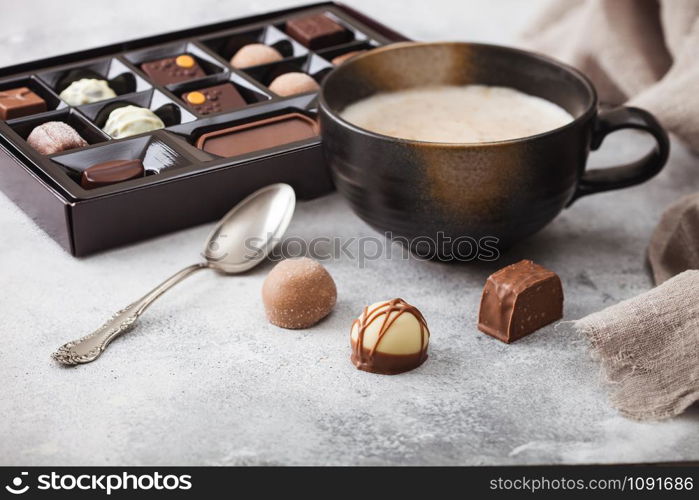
point(250, 230)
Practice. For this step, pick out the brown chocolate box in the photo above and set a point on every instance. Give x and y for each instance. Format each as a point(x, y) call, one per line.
point(191, 187)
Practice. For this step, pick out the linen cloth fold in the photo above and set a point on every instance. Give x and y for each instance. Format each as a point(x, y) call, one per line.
point(648, 347)
point(674, 245)
point(639, 52)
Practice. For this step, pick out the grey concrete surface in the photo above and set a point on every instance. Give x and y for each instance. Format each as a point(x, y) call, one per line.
point(206, 380)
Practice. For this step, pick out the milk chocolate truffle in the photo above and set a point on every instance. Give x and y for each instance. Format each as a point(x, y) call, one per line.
point(298, 293)
point(389, 337)
point(255, 54)
point(54, 137)
point(86, 91)
point(518, 300)
point(293, 83)
point(131, 120)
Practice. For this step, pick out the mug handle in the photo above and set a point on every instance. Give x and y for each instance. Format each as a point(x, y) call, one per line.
point(605, 179)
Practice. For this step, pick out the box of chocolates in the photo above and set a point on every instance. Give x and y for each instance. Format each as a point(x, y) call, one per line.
point(120, 143)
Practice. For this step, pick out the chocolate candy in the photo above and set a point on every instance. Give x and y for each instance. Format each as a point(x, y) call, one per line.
point(110, 172)
point(126, 121)
point(293, 83)
point(389, 337)
point(258, 135)
point(518, 300)
point(298, 293)
point(86, 91)
point(255, 54)
point(216, 99)
point(124, 83)
point(54, 137)
point(318, 31)
point(173, 69)
point(15, 103)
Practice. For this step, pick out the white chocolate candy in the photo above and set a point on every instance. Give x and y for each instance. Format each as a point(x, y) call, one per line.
point(389, 337)
point(131, 120)
point(87, 90)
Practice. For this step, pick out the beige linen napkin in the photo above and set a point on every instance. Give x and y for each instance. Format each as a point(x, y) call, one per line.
point(674, 246)
point(639, 52)
point(648, 347)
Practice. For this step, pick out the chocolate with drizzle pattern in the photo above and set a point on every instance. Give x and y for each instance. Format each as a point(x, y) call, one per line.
point(375, 361)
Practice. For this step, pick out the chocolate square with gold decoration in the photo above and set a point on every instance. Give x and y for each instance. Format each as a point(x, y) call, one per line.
point(173, 69)
point(216, 99)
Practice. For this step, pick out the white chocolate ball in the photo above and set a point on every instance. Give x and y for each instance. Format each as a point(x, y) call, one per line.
point(131, 120)
point(402, 336)
point(389, 337)
point(86, 91)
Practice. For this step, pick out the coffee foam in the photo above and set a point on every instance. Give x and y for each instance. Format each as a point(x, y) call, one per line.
point(457, 114)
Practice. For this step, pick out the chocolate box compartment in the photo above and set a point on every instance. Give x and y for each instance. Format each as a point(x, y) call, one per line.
point(251, 93)
point(227, 45)
point(205, 60)
point(107, 68)
point(313, 65)
point(24, 126)
point(200, 188)
point(172, 114)
point(156, 152)
point(252, 124)
point(38, 87)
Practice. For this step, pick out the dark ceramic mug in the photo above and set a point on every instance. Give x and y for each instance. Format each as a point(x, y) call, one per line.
point(508, 190)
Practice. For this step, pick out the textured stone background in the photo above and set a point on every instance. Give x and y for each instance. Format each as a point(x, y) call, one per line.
point(205, 380)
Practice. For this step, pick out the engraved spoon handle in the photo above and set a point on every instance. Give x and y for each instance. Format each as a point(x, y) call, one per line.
point(90, 347)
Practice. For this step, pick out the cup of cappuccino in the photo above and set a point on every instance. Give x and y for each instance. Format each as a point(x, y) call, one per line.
point(441, 143)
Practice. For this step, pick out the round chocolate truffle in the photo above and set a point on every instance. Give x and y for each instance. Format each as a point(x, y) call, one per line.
point(55, 137)
point(255, 54)
point(298, 293)
point(389, 337)
point(293, 83)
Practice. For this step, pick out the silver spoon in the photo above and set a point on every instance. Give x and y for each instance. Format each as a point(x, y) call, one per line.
point(240, 241)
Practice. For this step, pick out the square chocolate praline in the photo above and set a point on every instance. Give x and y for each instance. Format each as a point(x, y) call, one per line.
point(214, 99)
point(15, 103)
point(318, 31)
point(518, 300)
point(173, 69)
